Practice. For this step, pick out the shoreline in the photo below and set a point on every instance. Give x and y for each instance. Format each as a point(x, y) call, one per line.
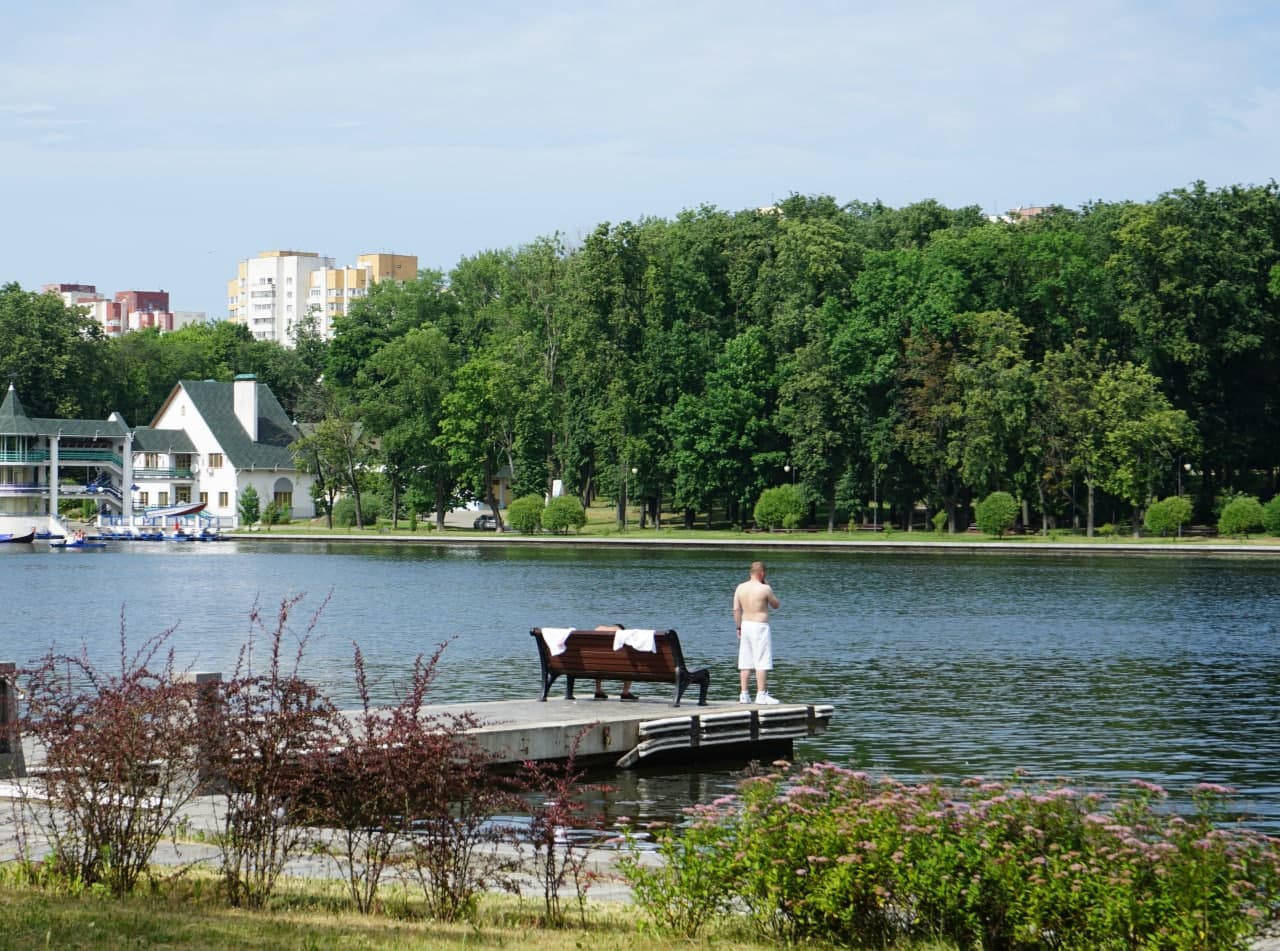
point(765, 540)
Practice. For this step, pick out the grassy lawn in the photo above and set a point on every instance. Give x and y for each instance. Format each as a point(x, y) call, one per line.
point(310, 919)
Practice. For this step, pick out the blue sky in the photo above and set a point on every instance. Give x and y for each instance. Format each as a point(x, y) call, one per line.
point(154, 144)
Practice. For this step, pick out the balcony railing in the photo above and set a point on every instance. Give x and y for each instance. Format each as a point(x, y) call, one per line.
point(88, 455)
point(22, 488)
point(25, 456)
point(162, 474)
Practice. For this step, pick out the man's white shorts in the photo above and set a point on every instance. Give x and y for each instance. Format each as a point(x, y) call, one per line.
point(755, 646)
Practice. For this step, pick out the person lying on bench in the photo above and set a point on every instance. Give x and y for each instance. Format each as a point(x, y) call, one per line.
point(626, 684)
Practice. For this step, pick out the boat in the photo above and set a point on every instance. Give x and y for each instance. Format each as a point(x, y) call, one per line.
point(174, 511)
point(78, 543)
point(26, 539)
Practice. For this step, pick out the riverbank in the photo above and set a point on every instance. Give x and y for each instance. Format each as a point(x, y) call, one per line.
point(892, 542)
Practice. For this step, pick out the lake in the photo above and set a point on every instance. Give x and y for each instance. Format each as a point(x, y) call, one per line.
point(1100, 668)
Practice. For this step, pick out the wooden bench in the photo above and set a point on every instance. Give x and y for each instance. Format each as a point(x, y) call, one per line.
point(590, 654)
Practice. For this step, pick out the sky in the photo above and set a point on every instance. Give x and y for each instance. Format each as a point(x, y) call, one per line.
point(153, 145)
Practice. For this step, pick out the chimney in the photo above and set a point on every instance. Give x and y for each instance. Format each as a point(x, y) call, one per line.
point(246, 403)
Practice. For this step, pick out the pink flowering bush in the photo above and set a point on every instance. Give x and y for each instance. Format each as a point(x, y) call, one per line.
point(829, 854)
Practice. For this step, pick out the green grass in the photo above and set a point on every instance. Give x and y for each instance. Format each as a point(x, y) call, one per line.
point(310, 916)
point(601, 523)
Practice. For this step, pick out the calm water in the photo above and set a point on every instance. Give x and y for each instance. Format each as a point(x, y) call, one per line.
point(1099, 668)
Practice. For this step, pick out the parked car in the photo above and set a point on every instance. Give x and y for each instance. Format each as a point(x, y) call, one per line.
point(485, 523)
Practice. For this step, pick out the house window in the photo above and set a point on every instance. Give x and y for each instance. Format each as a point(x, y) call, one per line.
point(215, 460)
point(151, 460)
point(182, 460)
point(163, 498)
point(223, 500)
point(204, 498)
point(283, 500)
point(182, 493)
point(144, 498)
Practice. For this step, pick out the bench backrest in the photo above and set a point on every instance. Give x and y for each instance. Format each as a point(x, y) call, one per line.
point(591, 652)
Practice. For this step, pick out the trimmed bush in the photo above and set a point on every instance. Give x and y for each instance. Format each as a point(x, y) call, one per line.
point(997, 513)
point(1168, 515)
point(1271, 516)
point(783, 506)
point(562, 514)
point(524, 515)
point(1240, 516)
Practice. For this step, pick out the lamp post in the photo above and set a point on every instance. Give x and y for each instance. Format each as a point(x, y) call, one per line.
point(787, 468)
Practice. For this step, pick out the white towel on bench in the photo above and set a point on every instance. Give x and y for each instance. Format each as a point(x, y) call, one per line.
point(636, 638)
point(555, 637)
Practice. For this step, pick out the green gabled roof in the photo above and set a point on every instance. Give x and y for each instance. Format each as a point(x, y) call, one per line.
point(14, 421)
point(215, 402)
point(82, 428)
point(146, 439)
point(13, 418)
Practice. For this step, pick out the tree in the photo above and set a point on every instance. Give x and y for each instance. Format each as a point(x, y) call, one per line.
point(1143, 436)
point(336, 450)
point(1193, 269)
point(248, 505)
point(997, 513)
point(401, 397)
point(52, 354)
point(478, 428)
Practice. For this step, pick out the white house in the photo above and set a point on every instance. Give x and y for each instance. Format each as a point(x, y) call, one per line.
point(231, 436)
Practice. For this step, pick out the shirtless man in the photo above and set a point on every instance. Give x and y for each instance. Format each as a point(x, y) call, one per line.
point(751, 603)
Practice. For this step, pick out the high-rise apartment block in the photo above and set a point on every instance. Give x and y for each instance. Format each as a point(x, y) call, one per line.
point(272, 293)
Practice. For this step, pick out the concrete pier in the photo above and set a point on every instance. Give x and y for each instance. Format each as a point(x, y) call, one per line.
point(643, 732)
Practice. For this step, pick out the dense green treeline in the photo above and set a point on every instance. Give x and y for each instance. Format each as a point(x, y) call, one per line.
point(1086, 361)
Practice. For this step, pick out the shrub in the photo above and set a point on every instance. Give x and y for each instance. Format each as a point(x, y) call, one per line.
point(555, 813)
point(1240, 516)
point(783, 506)
point(827, 855)
point(344, 513)
point(524, 515)
point(563, 513)
point(271, 720)
point(388, 782)
point(997, 513)
point(1168, 515)
point(1271, 516)
point(273, 514)
point(939, 520)
point(120, 760)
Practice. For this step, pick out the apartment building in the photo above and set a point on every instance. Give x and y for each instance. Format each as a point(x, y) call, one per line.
point(274, 291)
point(127, 310)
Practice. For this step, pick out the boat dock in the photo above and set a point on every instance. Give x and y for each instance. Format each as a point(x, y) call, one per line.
point(648, 731)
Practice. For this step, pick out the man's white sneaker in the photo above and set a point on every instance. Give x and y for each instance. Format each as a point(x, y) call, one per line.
point(766, 698)
point(744, 697)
